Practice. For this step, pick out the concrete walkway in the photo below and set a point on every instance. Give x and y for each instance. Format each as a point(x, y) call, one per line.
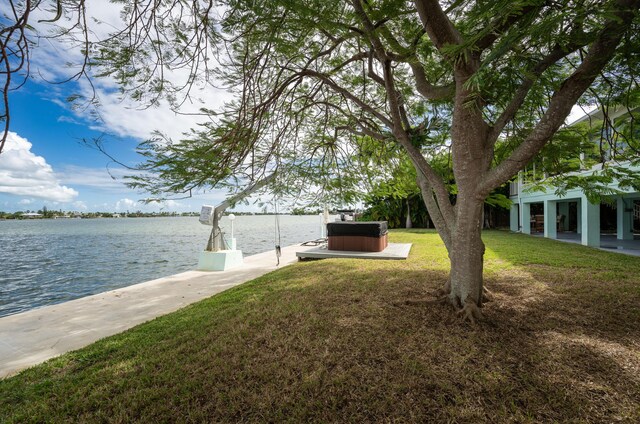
point(608, 242)
point(31, 337)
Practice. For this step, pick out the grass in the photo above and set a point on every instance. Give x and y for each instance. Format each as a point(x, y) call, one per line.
point(332, 341)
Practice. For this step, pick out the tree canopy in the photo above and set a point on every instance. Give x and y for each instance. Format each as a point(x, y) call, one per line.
point(311, 79)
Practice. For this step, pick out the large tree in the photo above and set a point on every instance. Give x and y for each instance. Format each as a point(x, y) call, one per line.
point(318, 82)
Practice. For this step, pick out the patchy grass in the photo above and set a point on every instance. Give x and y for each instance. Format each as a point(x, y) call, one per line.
point(325, 341)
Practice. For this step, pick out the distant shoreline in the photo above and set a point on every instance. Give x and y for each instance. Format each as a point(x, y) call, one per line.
point(109, 215)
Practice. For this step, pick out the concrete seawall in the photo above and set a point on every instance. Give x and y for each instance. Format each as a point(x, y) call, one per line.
point(32, 337)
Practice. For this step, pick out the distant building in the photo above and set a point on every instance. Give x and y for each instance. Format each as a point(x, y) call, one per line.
point(32, 215)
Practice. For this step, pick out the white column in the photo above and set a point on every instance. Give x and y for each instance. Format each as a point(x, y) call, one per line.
point(579, 216)
point(526, 218)
point(590, 223)
point(513, 218)
point(550, 219)
point(625, 221)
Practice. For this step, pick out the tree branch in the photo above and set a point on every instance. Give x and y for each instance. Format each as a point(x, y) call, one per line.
point(435, 213)
point(436, 23)
point(370, 31)
point(501, 24)
point(348, 95)
point(424, 87)
point(418, 160)
point(520, 95)
point(408, 55)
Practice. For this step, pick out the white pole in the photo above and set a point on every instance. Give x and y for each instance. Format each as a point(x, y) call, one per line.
point(232, 218)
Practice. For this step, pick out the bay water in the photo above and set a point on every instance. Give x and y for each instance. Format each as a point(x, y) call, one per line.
point(44, 262)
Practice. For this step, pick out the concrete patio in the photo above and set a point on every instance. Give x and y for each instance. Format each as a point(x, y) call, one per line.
point(394, 251)
point(608, 242)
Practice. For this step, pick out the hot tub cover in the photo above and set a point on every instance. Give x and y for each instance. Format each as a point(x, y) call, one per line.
point(367, 229)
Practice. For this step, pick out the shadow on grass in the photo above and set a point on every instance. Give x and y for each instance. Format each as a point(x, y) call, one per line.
point(546, 351)
point(579, 289)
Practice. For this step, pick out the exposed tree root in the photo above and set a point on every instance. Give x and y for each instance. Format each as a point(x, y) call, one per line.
point(470, 311)
point(441, 297)
point(444, 290)
point(487, 295)
point(420, 302)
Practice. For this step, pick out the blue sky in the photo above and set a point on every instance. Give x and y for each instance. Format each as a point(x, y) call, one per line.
point(78, 178)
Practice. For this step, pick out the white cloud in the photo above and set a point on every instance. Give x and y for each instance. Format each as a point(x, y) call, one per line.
point(111, 180)
point(80, 205)
point(125, 118)
point(23, 173)
point(25, 202)
point(168, 204)
point(68, 119)
point(125, 204)
point(164, 204)
point(172, 204)
point(122, 117)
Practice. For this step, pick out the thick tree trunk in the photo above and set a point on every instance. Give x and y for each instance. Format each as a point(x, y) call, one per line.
point(471, 157)
point(466, 255)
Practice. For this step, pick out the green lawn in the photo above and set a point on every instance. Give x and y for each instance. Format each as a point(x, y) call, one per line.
point(333, 341)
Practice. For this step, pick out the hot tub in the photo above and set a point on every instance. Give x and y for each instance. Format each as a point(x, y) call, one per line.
point(357, 236)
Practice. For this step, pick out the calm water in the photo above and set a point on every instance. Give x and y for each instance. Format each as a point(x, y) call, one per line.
point(51, 261)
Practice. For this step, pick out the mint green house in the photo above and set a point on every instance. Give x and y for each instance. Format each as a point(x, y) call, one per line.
point(544, 212)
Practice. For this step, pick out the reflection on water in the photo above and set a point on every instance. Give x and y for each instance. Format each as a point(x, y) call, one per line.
point(51, 261)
